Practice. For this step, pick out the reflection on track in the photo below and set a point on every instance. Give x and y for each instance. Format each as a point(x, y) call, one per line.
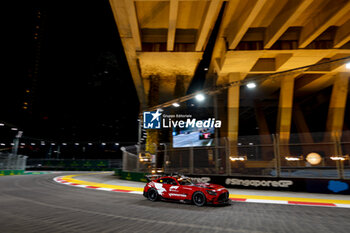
point(38, 204)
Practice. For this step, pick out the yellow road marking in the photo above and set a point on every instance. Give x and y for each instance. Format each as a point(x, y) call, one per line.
point(276, 198)
point(100, 185)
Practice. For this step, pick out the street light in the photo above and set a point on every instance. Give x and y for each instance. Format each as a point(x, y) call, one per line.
point(200, 97)
point(176, 105)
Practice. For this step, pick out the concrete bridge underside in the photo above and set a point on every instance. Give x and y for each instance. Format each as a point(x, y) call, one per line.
point(164, 41)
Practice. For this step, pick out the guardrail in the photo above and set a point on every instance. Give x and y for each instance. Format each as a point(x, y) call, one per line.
point(72, 164)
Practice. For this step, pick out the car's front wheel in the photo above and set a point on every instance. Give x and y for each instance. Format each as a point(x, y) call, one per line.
point(199, 199)
point(152, 195)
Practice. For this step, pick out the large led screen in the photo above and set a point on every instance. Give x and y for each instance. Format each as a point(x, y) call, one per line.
point(193, 136)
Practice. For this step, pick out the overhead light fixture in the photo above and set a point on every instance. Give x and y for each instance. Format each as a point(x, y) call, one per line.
point(64, 144)
point(103, 144)
point(2, 124)
point(33, 144)
point(14, 129)
point(90, 144)
point(200, 97)
point(339, 157)
point(238, 158)
point(251, 85)
point(117, 144)
point(77, 144)
point(313, 158)
point(176, 105)
point(293, 158)
point(347, 65)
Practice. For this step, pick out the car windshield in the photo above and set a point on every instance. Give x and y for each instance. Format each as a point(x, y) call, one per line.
point(185, 181)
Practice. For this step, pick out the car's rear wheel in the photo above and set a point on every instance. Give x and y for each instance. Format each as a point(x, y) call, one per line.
point(153, 195)
point(199, 199)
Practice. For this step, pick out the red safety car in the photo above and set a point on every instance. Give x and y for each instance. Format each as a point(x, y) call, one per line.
point(184, 189)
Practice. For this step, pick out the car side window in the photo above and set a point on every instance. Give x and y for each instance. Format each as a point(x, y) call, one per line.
point(172, 182)
point(169, 181)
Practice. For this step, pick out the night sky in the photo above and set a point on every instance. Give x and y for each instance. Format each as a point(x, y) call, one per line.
point(83, 90)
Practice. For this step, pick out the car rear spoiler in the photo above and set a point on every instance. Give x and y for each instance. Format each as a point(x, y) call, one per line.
point(152, 177)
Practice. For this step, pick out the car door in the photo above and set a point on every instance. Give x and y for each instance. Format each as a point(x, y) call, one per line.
point(176, 191)
point(162, 187)
point(169, 185)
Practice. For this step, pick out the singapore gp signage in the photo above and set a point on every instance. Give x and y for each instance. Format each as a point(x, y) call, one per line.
point(154, 120)
point(266, 183)
point(257, 183)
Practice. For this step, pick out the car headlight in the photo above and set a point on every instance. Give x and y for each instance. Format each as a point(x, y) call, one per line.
point(211, 192)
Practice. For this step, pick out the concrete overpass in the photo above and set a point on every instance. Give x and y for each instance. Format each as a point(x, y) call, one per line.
point(164, 41)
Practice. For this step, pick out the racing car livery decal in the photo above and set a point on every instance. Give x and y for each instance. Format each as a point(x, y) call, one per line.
point(181, 188)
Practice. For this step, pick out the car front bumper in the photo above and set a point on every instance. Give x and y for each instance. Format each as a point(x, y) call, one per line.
point(220, 198)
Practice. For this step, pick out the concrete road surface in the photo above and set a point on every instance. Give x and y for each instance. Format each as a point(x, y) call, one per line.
point(35, 203)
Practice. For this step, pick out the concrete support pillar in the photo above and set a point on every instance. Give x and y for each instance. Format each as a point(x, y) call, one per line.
point(265, 135)
point(284, 118)
point(304, 134)
point(180, 89)
point(300, 122)
point(233, 112)
point(336, 111)
point(153, 99)
point(233, 107)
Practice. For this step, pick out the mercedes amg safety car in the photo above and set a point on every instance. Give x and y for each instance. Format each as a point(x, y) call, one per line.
point(184, 189)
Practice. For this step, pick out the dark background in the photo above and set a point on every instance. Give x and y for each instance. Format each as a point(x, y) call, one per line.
point(69, 56)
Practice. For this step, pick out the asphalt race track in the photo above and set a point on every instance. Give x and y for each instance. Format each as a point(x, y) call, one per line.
point(35, 203)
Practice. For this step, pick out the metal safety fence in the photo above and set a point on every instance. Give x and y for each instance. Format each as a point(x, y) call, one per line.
point(12, 162)
point(311, 155)
point(74, 164)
